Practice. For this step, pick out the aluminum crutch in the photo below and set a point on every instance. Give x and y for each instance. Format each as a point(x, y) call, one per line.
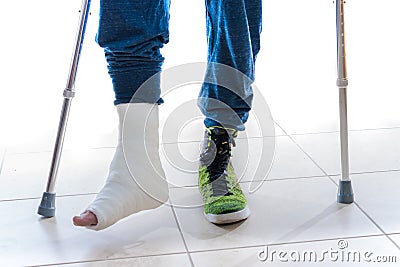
point(47, 205)
point(345, 192)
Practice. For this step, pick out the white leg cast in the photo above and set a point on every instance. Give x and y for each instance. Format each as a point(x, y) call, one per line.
point(136, 180)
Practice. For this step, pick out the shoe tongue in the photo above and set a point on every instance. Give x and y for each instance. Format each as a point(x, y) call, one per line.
point(219, 135)
point(224, 135)
point(219, 186)
point(218, 131)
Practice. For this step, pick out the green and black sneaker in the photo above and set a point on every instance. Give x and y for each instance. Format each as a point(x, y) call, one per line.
point(224, 201)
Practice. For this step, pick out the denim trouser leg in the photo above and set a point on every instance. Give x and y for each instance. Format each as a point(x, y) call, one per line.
point(132, 33)
point(233, 35)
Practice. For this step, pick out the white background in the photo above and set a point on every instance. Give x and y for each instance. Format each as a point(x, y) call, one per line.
point(296, 69)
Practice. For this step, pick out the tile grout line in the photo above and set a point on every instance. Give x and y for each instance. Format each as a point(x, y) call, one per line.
point(39, 197)
point(376, 224)
point(394, 242)
point(113, 147)
point(181, 233)
point(291, 243)
point(330, 178)
point(188, 252)
point(293, 178)
point(258, 181)
point(64, 150)
point(308, 156)
point(238, 138)
point(107, 260)
point(355, 202)
point(316, 164)
point(197, 141)
point(272, 244)
point(336, 131)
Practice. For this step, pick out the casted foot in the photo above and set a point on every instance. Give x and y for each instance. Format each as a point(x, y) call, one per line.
point(85, 219)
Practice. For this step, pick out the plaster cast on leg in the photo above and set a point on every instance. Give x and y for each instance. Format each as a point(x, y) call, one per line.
point(136, 180)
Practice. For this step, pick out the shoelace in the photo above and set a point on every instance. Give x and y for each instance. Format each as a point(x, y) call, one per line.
point(218, 167)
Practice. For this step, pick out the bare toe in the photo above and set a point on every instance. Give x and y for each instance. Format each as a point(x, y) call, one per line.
point(85, 219)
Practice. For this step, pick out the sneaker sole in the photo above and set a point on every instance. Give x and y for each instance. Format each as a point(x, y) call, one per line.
point(229, 217)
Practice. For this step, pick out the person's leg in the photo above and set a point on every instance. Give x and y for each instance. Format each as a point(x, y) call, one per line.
point(233, 29)
point(136, 180)
point(132, 33)
point(233, 35)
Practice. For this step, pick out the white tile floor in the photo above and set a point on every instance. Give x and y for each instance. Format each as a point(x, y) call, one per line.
point(293, 208)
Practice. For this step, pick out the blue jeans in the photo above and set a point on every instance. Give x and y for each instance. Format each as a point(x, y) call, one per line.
point(132, 32)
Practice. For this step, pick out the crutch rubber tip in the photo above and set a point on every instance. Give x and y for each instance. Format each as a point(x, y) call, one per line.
point(47, 207)
point(345, 192)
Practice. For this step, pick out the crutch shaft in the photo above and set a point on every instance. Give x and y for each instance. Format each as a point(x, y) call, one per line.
point(69, 93)
point(58, 145)
point(47, 205)
point(78, 45)
point(344, 143)
point(345, 190)
point(342, 83)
